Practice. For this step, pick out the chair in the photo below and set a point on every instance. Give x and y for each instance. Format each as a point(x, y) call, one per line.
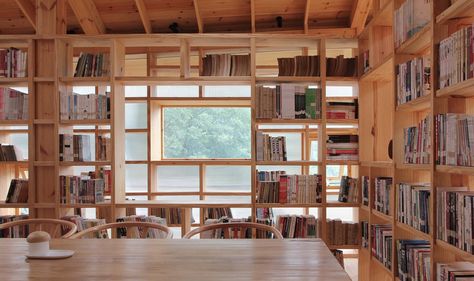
point(234, 229)
point(133, 229)
point(54, 227)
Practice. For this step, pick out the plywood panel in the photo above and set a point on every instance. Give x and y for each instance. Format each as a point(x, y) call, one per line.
point(366, 124)
point(162, 13)
point(384, 106)
point(45, 184)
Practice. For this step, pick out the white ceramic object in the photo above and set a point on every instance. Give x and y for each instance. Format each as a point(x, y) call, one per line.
point(52, 255)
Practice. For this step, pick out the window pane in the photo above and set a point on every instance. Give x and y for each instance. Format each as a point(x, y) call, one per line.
point(20, 141)
point(197, 132)
point(227, 91)
point(177, 178)
point(345, 214)
point(136, 91)
point(293, 145)
point(240, 213)
point(314, 156)
point(136, 146)
point(177, 91)
point(135, 116)
point(136, 178)
point(339, 91)
point(228, 178)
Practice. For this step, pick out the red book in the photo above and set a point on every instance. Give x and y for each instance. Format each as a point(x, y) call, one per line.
point(283, 190)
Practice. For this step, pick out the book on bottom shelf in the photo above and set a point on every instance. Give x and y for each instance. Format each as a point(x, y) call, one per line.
point(84, 189)
point(417, 143)
point(381, 238)
point(299, 66)
point(342, 233)
point(10, 152)
point(342, 147)
point(226, 65)
point(18, 191)
point(299, 226)
point(18, 231)
point(413, 206)
point(136, 232)
point(458, 271)
point(414, 260)
point(85, 223)
point(270, 148)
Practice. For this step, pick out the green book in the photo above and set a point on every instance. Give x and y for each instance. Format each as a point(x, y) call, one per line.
point(310, 102)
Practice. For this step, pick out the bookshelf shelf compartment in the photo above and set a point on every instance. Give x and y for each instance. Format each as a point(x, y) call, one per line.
point(457, 10)
point(455, 169)
point(382, 215)
point(419, 104)
point(202, 80)
point(422, 167)
point(417, 43)
point(462, 89)
point(14, 81)
point(381, 265)
point(86, 81)
point(89, 163)
point(453, 249)
point(380, 72)
point(413, 231)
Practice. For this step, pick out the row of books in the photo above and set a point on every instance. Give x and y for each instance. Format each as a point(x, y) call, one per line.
point(343, 147)
point(270, 148)
point(348, 190)
point(13, 63)
point(342, 233)
point(381, 241)
point(410, 18)
point(83, 107)
point(82, 189)
point(413, 79)
point(342, 109)
point(414, 260)
point(456, 57)
point(340, 66)
point(226, 65)
point(137, 232)
point(458, 271)
point(365, 181)
point(417, 143)
point(85, 223)
point(172, 215)
point(364, 231)
point(74, 147)
point(233, 233)
point(288, 101)
point(19, 231)
point(299, 66)
point(291, 189)
point(10, 152)
point(382, 203)
point(215, 213)
point(13, 104)
point(455, 209)
point(299, 226)
point(104, 148)
point(454, 139)
point(18, 191)
point(413, 206)
point(93, 65)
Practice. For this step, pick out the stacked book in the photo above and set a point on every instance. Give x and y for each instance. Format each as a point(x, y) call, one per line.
point(342, 233)
point(92, 65)
point(381, 238)
point(455, 206)
point(458, 271)
point(413, 79)
point(270, 148)
point(343, 147)
point(348, 190)
point(75, 148)
point(299, 226)
point(417, 143)
point(413, 260)
point(13, 104)
point(382, 203)
point(137, 232)
point(9, 152)
point(85, 223)
point(456, 57)
point(342, 109)
point(365, 181)
point(364, 225)
point(291, 189)
point(226, 65)
point(13, 63)
point(410, 18)
point(299, 66)
point(414, 205)
point(18, 191)
point(81, 189)
point(226, 232)
point(19, 231)
point(84, 107)
point(340, 66)
point(217, 213)
point(104, 148)
point(454, 139)
point(288, 101)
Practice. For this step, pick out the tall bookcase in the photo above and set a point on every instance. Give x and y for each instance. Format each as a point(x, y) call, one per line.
point(382, 120)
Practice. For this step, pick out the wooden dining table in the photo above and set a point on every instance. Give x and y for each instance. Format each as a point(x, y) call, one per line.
point(180, 259)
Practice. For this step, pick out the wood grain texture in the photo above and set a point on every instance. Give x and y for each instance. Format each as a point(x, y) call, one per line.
point(130, 259)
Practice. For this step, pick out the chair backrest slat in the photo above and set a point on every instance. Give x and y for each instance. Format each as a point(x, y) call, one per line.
point(52, 226)
point(235, 227)
point(134, 229)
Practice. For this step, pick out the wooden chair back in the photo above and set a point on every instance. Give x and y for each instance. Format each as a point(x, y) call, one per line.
point(54, 227)
point(235, 230)
point(136, 229)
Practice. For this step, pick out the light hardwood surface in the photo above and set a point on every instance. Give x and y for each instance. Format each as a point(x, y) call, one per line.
point(130, 259)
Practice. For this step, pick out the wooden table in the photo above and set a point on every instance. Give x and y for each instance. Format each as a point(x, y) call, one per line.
point(175, 260)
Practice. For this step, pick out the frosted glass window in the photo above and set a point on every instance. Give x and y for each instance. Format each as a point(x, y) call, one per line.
point(20, 89)
point(135, 116)
point(293, 145)
point(314, 155)
point(177, 91)
point(227, 91)
point(228, 178)
point(136, 91)
point(345, 214)
point(136, 178)
point(136, 146)
point(20, 141)
point(230, 199)
point(314, 212)
point(313, 170)
point(177, 178)
point(286, 211)
point(340, 91)
point(240, 213)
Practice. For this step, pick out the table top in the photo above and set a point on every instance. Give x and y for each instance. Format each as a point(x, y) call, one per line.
point(180, 259)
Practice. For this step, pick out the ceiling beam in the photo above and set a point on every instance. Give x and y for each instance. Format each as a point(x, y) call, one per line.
point(198, 16)
point(29, 10)
point(359, 13)
point(306, 16)
point(88, 16)
point(144, 15)
point(252, 15)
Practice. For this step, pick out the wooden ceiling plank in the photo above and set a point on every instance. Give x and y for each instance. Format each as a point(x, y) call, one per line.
point(29, 10)
point(359, 13)
point(306, 16)
point(198, 16)
point(144, 15)
point(252, 15)
point(88, 16)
